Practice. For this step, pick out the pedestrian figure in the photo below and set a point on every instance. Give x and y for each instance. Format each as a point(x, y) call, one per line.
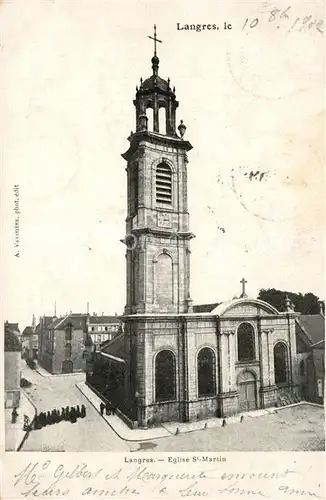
point(67, 413)
point(48, 418)
point(41, 420)
point(113, 409)
point(26, 423)
point(14, 415)
point(37, 422)
point(241, 419)
point(78, 411)
point(102, 407)
point(108, 409)
point(62, 413)
point(72, 415)
point(83, 411)
point(44, 419)
point(224, 422)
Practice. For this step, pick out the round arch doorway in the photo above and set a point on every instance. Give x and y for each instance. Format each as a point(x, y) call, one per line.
point(247, 388)
point(67, 366)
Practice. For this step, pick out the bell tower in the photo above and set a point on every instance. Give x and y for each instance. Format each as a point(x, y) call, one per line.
point(157, 225)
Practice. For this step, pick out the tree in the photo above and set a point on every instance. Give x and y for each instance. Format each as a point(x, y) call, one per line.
point(307, 303)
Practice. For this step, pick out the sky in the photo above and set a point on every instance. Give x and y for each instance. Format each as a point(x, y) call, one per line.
point(252, 101)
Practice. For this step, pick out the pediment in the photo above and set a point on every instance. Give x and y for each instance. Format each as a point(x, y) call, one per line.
point(245, 307)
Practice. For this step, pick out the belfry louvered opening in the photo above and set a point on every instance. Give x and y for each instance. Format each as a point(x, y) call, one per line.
point(163, 184)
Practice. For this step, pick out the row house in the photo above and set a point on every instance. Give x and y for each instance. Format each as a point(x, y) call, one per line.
point(62, 343)
point(102, 328)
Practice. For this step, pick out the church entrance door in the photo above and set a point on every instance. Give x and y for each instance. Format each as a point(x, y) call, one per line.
point(67, 366)
point(247, 391)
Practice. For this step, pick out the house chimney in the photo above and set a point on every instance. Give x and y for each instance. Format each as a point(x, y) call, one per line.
point(33, 323)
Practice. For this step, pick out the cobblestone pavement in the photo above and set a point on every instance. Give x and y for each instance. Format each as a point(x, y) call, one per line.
point(89, 434)
point(299, 428)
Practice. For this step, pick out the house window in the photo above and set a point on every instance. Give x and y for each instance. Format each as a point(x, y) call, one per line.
point(92, 328)
point(206, 372)
point(99, 338)
point(106, 328)
point(50, 342)
point(280, 363)
point(69, 332)
point(67, 351)
point(165, 376)
point(163, 184)
point(246, 342)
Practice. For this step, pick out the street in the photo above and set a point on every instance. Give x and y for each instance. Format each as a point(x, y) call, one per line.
point(89, 434)
point(297, 428)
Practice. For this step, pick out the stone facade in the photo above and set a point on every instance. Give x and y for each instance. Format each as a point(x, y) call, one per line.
point(62, 344)
point(185, 335)
point(209, 369)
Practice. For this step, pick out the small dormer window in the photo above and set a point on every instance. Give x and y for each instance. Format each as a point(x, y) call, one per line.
point(163, 184)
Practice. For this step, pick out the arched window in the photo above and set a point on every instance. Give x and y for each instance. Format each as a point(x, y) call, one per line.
point(165, 376)
point(163, 279)
point(280, 363)
point(163, 184)
point(162, 120)
point(246, 342)
point(150, 116)
point(206, 364)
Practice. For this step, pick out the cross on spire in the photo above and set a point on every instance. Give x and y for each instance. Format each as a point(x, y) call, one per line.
point(155, 39)
point(243, 283)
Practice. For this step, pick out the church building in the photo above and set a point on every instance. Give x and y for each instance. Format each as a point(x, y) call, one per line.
point(177, 361)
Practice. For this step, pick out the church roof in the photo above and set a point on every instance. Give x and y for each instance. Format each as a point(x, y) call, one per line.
point(201, 308)
point(313, 325)
point(224, 307)
point(155, 82)
point(115, 347)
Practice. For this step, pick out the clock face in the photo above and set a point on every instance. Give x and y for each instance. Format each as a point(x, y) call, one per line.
point(164, 219)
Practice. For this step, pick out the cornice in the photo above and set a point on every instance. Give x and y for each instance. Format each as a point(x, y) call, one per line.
point(154, 138)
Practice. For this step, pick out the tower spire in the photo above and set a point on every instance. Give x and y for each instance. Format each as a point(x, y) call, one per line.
point(155, 39)
point(155, 59)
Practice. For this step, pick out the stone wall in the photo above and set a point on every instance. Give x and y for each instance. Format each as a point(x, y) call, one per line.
point(185, 335)
point(77, 348)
